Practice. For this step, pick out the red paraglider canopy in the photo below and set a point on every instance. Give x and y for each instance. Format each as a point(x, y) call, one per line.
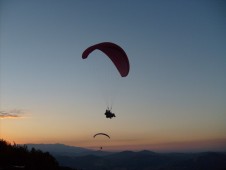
point(115, 53)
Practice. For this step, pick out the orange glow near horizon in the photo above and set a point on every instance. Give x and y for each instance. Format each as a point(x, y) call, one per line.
point(26, 131)
point(177, 146)
point(113, 145)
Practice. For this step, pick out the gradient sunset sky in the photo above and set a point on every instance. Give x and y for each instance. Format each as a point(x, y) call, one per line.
point(174, 98)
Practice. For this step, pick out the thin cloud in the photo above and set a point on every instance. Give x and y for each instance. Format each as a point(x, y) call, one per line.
point(15, 114)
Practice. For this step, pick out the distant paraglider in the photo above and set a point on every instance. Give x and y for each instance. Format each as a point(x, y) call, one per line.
point(101, 134)
point(104, 134)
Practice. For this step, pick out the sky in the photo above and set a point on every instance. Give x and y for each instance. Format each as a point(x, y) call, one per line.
point(173, 99)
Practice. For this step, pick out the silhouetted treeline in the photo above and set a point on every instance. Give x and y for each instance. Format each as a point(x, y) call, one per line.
point(13, 156)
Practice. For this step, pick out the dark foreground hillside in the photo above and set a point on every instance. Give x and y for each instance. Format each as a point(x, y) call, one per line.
point(19, 157)
point(146, 160)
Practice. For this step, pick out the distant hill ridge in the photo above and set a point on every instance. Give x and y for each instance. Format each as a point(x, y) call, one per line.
point(77, 157)
point(65, 150)
point(58, 148)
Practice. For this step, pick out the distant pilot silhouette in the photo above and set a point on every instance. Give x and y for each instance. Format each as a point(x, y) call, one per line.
point(109, 114)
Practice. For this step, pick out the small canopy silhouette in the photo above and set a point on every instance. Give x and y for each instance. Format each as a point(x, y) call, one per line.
point(101, 134)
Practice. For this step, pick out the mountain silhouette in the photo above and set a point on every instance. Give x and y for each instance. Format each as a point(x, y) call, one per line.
point(81, 158)
point(129, 160)
point(65, 150)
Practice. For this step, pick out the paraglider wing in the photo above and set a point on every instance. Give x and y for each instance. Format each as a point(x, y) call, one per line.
point(115, 53)
point(101, 134)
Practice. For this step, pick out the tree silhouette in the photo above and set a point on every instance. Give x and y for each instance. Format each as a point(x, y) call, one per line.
point(13, 156)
